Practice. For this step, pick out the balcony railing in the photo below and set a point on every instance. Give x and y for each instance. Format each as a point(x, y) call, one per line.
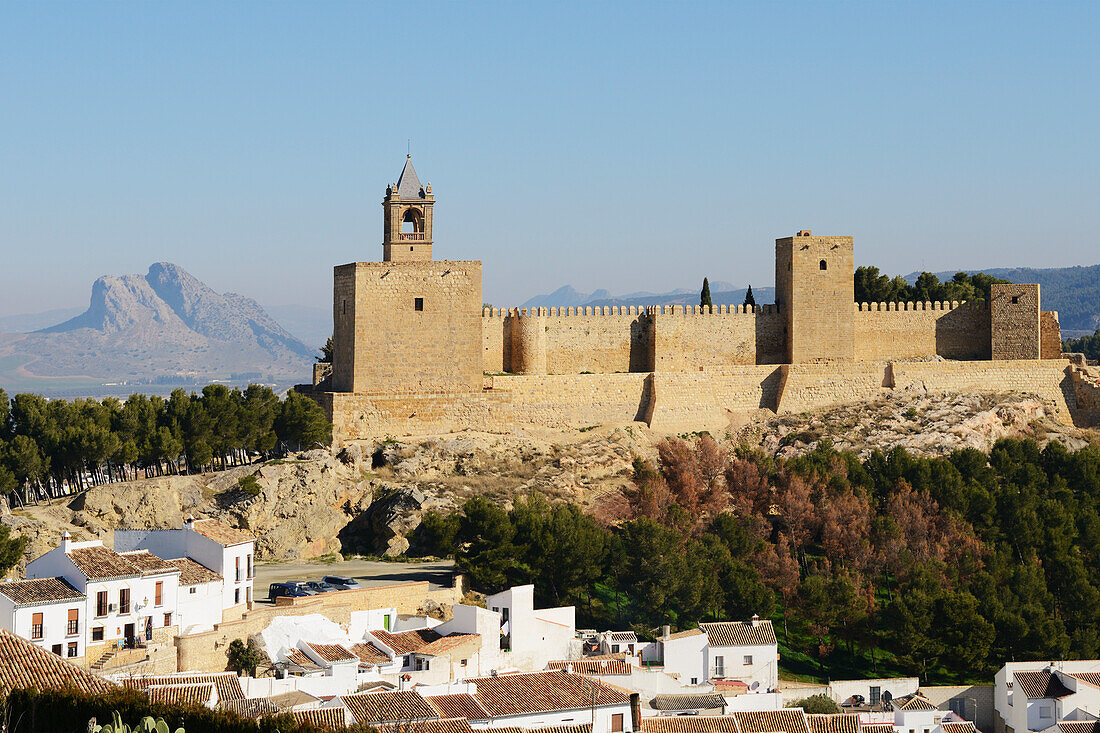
point(412, 236)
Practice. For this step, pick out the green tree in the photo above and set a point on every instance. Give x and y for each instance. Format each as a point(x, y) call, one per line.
point(704, 295)
point(244, 657)
point(11, 549)
point(816, 705)
point(1087, 345)
point(302, 422)
point(564, 550)
point(485, 550)
point(750, 300)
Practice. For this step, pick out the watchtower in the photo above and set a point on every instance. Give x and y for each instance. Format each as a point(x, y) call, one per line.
point(814, 289)
point(407, 222)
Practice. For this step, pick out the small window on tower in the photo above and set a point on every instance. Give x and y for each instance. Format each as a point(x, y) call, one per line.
point(344, 305)
point(418, 304)
point(823, 265)
point(1015, 299)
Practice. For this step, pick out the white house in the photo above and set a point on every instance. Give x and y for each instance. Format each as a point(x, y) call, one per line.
point(727, 650)
point(915, 713)
point(129, 597)
point(48, 611)
point(428, 657)
point(1033, 696)
point(226, 550)
point(532, 637)
point(199, 598)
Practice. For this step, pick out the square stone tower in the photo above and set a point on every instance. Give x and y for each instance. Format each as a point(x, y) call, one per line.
point(408, 324)
point(815, 291)
point(1014, 321)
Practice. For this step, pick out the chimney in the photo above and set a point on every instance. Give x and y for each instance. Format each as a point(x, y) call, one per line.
point(66, 542)
point(755, 620)
point(569, 668)
point(190, 523)
point(666, 632)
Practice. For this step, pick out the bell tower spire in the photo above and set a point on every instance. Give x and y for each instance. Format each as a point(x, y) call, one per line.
point(407, 220)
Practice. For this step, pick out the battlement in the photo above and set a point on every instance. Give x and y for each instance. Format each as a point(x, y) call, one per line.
point(927, 305)
point(612, 310)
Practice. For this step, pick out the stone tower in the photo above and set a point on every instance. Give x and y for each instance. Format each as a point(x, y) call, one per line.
point(815, 292)
point(407, 223)
point(408, 324)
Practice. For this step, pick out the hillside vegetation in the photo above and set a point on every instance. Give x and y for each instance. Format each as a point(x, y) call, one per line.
point(943, 567)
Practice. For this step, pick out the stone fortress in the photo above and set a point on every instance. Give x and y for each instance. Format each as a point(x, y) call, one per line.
point(415, 352)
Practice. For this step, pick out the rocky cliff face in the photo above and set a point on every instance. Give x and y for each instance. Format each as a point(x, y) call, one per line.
point(166, 322)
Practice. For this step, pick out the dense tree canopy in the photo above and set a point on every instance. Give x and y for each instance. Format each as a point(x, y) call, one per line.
point(52, 447)
point(943, 567)
point(873, 287)
point(1087, 345)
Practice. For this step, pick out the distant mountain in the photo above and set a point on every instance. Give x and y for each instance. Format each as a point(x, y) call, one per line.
point(160, 326)
point(1072, 291)
point(27, 322)
point(311, 324)
point(721, 293)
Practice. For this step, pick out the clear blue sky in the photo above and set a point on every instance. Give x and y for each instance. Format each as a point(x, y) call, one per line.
point(628, 145)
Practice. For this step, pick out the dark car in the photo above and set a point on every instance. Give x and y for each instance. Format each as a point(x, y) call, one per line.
point(290, 589)
point(320, 586)
point(342, 582)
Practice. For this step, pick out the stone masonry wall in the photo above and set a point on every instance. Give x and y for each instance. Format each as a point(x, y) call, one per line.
point(1014, 319)
point(814, 282)
point(1050, 335)
point(687, 401)
point(814, 386)
point(694, 339)
point(366, 416)
point(887, 331)
point(1049, 379)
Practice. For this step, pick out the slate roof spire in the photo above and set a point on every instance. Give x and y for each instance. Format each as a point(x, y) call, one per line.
point(408, 185)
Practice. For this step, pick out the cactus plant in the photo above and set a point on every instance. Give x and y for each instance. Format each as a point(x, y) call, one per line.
point(147, 725)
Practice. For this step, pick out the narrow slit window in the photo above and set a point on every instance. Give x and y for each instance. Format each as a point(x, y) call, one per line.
point(418, 304)
point(1015, 299)
point(823, 265)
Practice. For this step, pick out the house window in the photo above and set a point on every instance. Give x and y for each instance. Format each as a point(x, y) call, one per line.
point(158, 593)
point(614, 648)
point(463, 663)
point(695, 681)
point(124, 600)
point(719, 666)
point(250, 565)
point(617, 723)
point(407, 661)
point(167, 619)
point(418, 304)
point(192, 590)
point(57, 649)
point(421, 664)
point(748, 659)
point(36, 626)
point(876, 695)
point(236, 595)
point(97, 633)
point(101, 603)
point(238, 569)
point(71, 652)
point(823, 265)
point(74, 622)
point(504, 614)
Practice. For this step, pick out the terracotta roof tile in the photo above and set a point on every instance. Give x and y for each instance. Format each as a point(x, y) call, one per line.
point(406, 642)
point(24, 665)
point(451, 643)
point(449, 725)
point(193, 573)
point(841, 723)
point(1079, 726)
point(298, 657)
point(379, 707)
point(148, 563)
point(39, 591)
point(689, 701)
point(332, 652)
point(196, 694)
point(369, 654)
point(876, 728)
point(621, 636)
point(739, 633)
point(460, 705)
point(916, 701)
point(328, 718)
point(772, 721)
point(592, 666)
point(222, 533)
point(228, 684)
point(580, 728)
point(536, 692)
point(100, 563)
point(685, 634)
point(254, 707)
point(1089, 678)
point(690, 724)
point(293, 698)
point(964, 726)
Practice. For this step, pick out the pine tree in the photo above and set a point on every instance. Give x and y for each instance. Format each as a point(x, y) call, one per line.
point(749, 299)
point(704, 296)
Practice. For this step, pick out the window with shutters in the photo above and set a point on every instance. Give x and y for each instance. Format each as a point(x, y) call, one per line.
point(617, 723)
point(36, 626)
point(124, 600)
point(97, 633)
point(72, 649)
point(158, 593)
point(238, 566)
point(74, 622)
point(167, 619)
point(101, 603)
point(250, 575)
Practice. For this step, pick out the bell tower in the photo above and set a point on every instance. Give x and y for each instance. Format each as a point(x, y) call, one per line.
point(407, 220)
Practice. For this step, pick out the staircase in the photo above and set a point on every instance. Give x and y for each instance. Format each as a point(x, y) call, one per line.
point(104, 660)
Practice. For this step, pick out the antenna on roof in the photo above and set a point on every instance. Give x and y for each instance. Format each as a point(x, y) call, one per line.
point(408, 147)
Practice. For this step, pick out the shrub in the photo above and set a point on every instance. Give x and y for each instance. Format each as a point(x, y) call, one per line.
point(816, 704)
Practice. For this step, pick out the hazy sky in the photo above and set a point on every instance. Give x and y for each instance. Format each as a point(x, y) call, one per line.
point(628, 145)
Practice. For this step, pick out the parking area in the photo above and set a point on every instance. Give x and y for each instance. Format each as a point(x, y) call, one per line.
point(368, 572)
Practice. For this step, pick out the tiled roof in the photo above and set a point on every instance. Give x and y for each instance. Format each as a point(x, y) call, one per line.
point(369, 654)
point(378, 707)
point(329, 718)
point(148, 563)
point(222, 533)
point(1089, 678)
point(838, 723)
point(298, 657)
point(293, 698)
point(876, 728)
point(22, 664)
point(916, 701)
point(193, 573)
point(592, 666)
point(730, 687)
point(406, 642)
point(450, 643)
point(197, 694)
point(684, 634)
point(688, 701)
point(960, 727)
point(739, 633)
point(100, 563)
point(1041, 683)
point(450, 725)
point(253, 707)
point(40, 590)
point(581, 728)
point(408, 185)
point(332, 652)
point(772, 721)
point(690, 724)
point(228, 684)
point(461, 705)
point(1079, 726)
point(537, 692)
point(621, 636)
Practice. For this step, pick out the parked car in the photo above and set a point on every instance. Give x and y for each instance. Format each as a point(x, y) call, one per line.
point(320, 586)
point(342, 582)
point(289, 589)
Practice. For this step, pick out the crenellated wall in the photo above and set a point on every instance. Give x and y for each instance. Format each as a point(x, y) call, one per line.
point(693, 339)
point(954, 330)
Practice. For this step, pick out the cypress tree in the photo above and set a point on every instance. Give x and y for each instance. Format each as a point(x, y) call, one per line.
point(749, 300)
point(704, 296)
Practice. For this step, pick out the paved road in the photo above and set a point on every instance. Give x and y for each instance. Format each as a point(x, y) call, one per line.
point(367, 572)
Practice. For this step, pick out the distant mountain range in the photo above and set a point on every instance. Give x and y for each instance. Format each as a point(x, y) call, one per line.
point(159, 328)
point(1072, 291)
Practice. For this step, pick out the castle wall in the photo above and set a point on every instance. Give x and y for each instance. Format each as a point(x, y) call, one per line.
point(687, 401)
point(1049, 379)
point(887, 331)
point(406, 327)
point(813, 386)
point(1050, 335)
point(1087, 391)
point(357, 416)
point(693, 338)
point(577, 400)
point(814, 282)
point(1014, 317)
